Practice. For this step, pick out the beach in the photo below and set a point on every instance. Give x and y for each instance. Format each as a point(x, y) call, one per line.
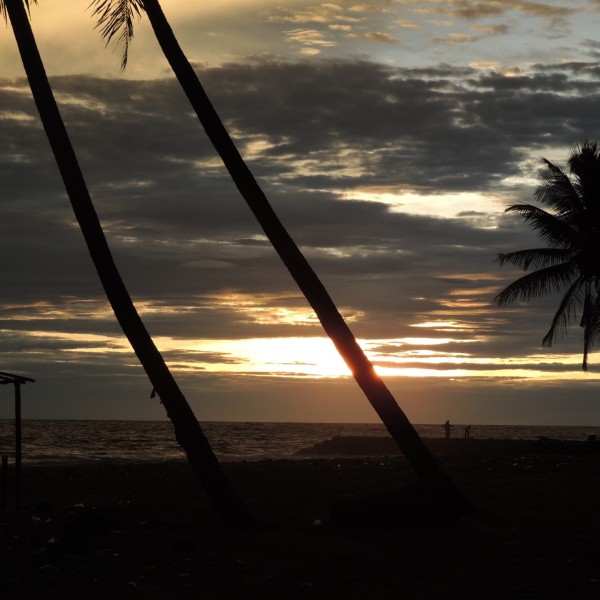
point(119, 529)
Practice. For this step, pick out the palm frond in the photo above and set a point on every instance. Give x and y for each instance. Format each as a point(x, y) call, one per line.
point(556, 190)
point(3, 8)
point(566, 312)
point(584, 162)
point(535, 258)
point(115, 21)
point(551, 228)
point(537, 284)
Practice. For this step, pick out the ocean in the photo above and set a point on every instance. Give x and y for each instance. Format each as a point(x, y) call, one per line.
point(47, 441)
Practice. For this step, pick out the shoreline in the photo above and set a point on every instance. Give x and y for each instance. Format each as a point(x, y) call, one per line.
point(351, 446)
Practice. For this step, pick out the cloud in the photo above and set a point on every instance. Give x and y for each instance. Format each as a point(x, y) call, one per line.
point(499, 29)
point(479, 10)
point(337, 27)
point(379, 36)
point(311, 39)
point(594, 47)
point(455, 38)
point(405, 23)
point(555, 17)
point(377, 124)
point(323, 13)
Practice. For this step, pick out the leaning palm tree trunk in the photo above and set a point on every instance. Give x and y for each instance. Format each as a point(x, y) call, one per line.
point(374, 388)
point(187, 429)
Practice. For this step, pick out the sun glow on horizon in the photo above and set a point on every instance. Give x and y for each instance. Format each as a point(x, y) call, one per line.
point(443, 325)
point(297, 356)
point(311, 357)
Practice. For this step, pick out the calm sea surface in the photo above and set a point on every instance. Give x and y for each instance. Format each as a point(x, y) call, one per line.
point(52, 441)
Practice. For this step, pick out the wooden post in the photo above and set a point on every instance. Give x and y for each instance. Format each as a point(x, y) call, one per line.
point(3, 479)
point(18, 443)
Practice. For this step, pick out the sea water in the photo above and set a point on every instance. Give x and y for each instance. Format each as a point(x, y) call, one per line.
point(63, 440)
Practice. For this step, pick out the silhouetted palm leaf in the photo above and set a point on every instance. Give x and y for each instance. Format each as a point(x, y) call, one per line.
point(536, 284)
point(566, 313)
point(556, 190)
point(584, 165)
point(551, 228)
point(3, 8)
point(536, 258)
point(115, 20)
point(571, 228)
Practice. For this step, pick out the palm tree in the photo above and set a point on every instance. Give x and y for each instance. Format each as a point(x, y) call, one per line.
point(570, 226)
point(115, 19)
point(187, 429)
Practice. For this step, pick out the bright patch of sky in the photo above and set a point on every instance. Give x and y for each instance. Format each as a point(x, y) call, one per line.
point(462, 205)
point(507, 34)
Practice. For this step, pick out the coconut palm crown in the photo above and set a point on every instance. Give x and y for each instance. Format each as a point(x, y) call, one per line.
point(569, 224)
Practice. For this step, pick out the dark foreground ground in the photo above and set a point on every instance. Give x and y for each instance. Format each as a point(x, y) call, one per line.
point(145, 531)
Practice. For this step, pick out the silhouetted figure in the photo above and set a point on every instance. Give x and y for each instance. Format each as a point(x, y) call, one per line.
point(467, 432)
point(447, 428)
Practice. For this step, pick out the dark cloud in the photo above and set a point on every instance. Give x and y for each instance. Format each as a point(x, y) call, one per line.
point(467, 9)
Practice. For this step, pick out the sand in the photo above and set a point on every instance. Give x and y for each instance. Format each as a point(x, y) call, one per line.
point(115, 530)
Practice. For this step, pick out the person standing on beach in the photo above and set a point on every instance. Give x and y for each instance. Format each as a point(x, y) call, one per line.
point(447, 428)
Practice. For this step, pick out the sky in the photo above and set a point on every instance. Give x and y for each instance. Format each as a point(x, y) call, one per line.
point(389, 136)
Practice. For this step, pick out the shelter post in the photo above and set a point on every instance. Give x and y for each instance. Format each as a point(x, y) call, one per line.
point(18, 444)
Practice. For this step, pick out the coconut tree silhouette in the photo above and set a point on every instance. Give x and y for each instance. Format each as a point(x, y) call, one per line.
point(187, 429)
point(115, 20)
point(571, 261)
